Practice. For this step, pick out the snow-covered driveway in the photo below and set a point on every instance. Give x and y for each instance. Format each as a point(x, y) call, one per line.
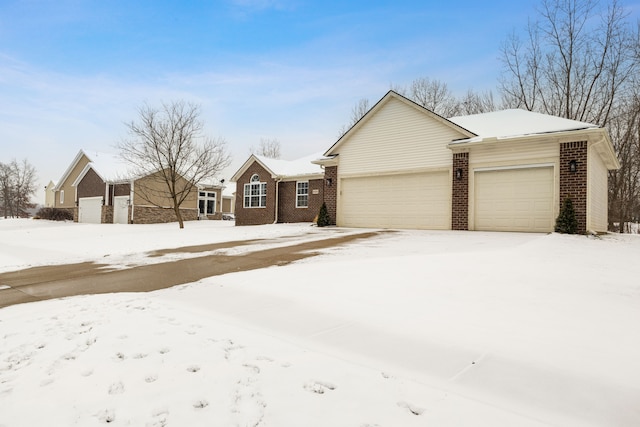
point(410, 328)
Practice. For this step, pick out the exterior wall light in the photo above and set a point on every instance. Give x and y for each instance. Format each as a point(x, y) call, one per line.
point(459, 174)
point(329, 181)
point(573, 166)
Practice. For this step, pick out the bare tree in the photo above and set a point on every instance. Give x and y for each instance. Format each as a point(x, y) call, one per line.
point(434, 95)
point(357, 112)
point(576, 63)
point(168, 148)
point(580, 61)
point(17, 185)
point(24, 186)
point(624, 188)
point(477, 103)
point(6, 188)
point(268, 148)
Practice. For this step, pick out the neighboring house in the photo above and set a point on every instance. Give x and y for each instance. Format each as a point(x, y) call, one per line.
point(227, 204)
point(50, 195)
point(403, 166)
point(103, 191)
point(210, 201)
point(272, 190)
point(64, 193)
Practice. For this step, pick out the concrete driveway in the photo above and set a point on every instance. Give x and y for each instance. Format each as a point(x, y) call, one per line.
point(41, 283)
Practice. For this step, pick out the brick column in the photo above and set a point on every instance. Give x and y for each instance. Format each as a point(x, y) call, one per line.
point(331, 191)
point(460, 192)
point(573, 185)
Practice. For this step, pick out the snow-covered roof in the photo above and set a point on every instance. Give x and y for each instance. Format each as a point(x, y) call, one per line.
point(302, 166)
point(284, 168)
point(513, 123)
point(110, 167)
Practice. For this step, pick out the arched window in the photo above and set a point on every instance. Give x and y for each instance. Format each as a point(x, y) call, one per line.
point(255, 193)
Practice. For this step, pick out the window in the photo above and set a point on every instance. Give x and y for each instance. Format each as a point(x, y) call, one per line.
point(302, 194)
point(206, 202)
point(62, 197)
point(255, 193)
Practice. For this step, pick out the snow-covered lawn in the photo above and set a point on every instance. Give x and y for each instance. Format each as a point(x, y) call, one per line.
point(411, 328)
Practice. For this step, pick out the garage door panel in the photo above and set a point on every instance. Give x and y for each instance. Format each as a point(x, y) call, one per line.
point(90, 210)
point(514, 200)
point(398, 201)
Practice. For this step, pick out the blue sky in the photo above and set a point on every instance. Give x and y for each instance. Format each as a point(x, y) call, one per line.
point(73, 71)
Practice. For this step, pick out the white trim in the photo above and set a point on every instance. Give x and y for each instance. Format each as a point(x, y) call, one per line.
point(527, 166)
point(205, 199)
point(67, 172)
point(297, 194)
point(260, 195)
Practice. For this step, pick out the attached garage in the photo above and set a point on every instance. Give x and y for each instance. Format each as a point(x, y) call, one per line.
point(403, 166)
point(90, 210)
point(417, 200)
point(519, 199)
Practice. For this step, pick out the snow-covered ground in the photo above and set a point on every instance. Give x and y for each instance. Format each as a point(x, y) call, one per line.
point(409, 328)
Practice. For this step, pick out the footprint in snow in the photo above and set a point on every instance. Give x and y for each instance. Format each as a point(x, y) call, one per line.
point(150, 378)
point(107, 416)
point(415, 410)
point(318, 387)
point(253, 368)
point(200, 404)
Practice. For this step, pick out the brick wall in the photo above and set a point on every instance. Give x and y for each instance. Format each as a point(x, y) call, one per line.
point(460, 196)
point(155, 215)
point(287, 193)
point(254, 216)
point(573, 185)
point(331, 191)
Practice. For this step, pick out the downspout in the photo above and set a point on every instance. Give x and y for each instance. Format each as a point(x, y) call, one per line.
point(106, 202)
point(276, 207)
point(131, 194)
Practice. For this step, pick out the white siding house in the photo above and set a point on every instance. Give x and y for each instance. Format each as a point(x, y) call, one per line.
point(403, 166)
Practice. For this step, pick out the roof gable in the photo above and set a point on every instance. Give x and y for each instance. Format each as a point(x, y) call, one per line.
point(282, 168)
point(108, 167)
point(391, 95)
point(80, 157)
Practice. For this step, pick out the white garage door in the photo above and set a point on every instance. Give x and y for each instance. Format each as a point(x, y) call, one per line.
point(397, 201)
point(514, 200)
point(90, 209)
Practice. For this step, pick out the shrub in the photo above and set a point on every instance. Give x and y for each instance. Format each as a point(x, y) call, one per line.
point(566, 222)
point(54, 214)
point(323, 216)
